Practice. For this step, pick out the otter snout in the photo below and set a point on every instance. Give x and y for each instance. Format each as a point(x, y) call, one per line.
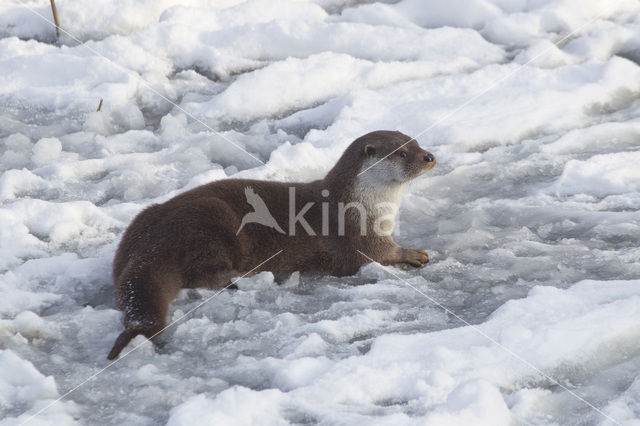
point(429, 158)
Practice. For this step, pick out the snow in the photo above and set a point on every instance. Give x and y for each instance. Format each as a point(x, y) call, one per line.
point(22, 384)
point(455, 376)
point(529, 311)
point(602, 175)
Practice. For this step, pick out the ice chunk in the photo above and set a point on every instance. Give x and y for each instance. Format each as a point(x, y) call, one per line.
point(601, 175)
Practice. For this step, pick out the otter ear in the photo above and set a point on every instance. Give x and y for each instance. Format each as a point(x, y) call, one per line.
point(369, 150)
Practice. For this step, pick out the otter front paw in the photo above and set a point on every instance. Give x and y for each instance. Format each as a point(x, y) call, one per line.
point(414, 257)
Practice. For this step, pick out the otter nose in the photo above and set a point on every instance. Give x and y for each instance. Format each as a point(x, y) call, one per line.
point(429, 158)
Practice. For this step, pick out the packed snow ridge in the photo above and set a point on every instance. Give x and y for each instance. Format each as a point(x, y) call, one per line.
point(529, 312)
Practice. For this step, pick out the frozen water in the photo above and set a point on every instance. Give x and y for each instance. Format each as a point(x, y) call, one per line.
point(532, 297)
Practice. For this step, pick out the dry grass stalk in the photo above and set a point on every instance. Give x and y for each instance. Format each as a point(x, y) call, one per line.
point(56, 18)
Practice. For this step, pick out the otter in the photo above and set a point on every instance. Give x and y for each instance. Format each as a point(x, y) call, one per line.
point(208, 235)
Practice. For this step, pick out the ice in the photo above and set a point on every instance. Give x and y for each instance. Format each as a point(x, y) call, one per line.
point(89, 19)
point(22, 385)
point(454, 376)
point(601, 175)
point(46, 150)
point(626, 408)
point(323, 76)
point(450, 13)
point(230, 408)
point(529, 310)
point(22, 382)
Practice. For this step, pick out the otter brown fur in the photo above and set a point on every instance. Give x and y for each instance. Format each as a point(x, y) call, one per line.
point(196, 238)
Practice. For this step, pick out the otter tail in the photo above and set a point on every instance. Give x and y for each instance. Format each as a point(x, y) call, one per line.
point(123, 340)
point(144, 299)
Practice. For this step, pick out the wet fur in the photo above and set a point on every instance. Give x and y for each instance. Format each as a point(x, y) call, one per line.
point(190, 241)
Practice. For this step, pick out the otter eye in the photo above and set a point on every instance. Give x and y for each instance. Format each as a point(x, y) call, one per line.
point(402, 154)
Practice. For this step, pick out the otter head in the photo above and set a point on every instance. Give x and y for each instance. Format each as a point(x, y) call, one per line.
point(373, 171)
point(379, 161)
point(392, 157)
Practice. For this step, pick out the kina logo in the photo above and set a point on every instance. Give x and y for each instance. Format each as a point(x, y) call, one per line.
point(260, 213)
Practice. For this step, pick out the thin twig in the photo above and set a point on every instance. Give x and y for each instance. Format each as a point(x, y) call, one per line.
point(100, 104)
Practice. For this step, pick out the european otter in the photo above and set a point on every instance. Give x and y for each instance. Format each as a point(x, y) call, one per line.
point(206, 236)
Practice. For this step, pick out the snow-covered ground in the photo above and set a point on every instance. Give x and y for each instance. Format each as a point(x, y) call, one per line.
point(529, 312)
